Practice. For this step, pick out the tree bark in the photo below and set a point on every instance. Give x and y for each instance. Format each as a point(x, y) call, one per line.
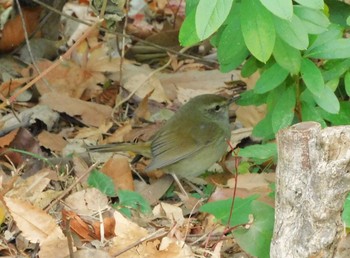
point(312, 182)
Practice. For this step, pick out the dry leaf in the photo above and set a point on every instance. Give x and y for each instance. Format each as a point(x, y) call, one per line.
point(8, 87)
point(67, 78)
point(108, 227)
point(172, 212)
point(30, 116)
point(88, 253)
point(127, 233)
point(142, 112)
point(175, 248)
point(35, 224)
point(94, 134)
point(87, 202)
point(250, 116)
point(153, 192)
point(209, 81)
point(52, 141)
point(248, 184)
point(54, 247)
point(100, 61)
point(118, 169)
point(8, 138)
point(119, 134)
point(30, 188)
point(144, 85)
point(80, 227)
point(91, 113)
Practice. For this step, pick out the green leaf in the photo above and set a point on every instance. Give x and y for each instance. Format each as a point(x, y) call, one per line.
point(292, 32)
point(102, 182)
point(315, 21)
point(134, 201)
point(312, 76)
point(191, 5)
point(347, 83)
point(338, 11)
point(221, 210)
point(232, 50)
point(258, 29)
point(270, 79)
point(264, 128)
point(327, 100)
point(342, 118)
point(286, 56)
point(249, 97)
point(188, 35)
point(332, 84)
point(346, 211)
point(259, 151)
point(210, 15)
point(283, 112)
point(333, 32)
point(338, 68)
point(256, 239)
point(306, 96)
point(315, 4)
point(338, 48)
point(249, 67)
point(280, 8)
point(310, 113)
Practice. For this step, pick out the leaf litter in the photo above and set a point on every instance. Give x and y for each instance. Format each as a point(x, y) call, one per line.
point(93, 96)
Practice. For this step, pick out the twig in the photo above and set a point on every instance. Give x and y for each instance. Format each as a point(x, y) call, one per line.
point(123, 40)
point(62, 58)
point(70, 188)
point(27, 37)
point(69, 238)
point(235, 187)
point(159, 233)
point(141, 84)
point(199, 59)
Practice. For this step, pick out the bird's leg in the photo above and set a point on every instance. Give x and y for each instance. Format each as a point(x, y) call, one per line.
point(177, 180)
point(194, 187)
point(179, 184)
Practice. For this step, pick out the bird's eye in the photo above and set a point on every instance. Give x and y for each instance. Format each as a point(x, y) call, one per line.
point(217, 108)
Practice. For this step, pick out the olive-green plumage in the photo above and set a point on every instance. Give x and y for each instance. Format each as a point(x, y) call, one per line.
point(190, 141)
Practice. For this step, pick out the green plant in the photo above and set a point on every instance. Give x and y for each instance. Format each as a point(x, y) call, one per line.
point(302, 53)
point(128, 200)
point(252, 221)
point(299, 48)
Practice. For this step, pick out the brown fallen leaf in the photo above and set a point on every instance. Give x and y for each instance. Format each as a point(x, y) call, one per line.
point(8, 138)
point(35, 224)
point(204, 81)
point(142, 85)
point(52, 141)
point(119, 134)
point(30, 188)
point(67, 78)
point(77, 225)
point(87, 202)
point(154, 191)
point(118, 169)
point(248, 184)
point(91, 113)
point(172, 212)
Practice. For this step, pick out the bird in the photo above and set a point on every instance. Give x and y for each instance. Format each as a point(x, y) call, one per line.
point(190, 142)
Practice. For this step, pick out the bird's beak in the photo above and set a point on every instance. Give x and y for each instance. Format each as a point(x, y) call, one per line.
point(233, 99)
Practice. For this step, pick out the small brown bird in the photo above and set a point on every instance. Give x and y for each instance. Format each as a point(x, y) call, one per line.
point(190, 142)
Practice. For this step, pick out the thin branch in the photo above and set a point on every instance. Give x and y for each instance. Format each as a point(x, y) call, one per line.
point(198, 59)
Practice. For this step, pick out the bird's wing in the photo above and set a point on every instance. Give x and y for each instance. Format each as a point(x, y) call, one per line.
point(167, 148)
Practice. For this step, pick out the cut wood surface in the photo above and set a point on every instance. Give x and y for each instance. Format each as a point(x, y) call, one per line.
point(312, 182)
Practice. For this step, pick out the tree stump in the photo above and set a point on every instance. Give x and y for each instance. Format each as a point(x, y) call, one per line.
point(312, 182)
